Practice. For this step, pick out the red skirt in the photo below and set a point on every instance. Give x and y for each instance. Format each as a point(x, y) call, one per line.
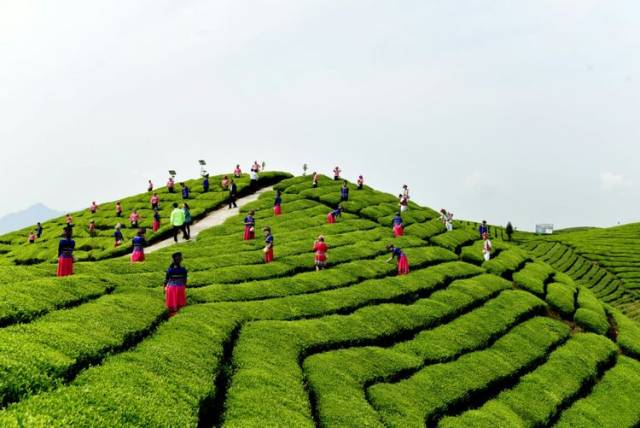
point(65, 266)
point(398, 230)
point(330, 218)
point(403, 265)
point(320, 260)
point(277, 210)
point(175, 297)
point(137, 256)
point(156, 225)
point(268, 256)
point(248, 233)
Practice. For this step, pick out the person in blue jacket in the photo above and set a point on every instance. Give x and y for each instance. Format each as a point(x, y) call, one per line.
point(344, 192)
point(483, 229)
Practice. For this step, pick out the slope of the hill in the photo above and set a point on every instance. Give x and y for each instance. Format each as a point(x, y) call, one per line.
point(15, 248)
point(457, 342)
point(605, 260)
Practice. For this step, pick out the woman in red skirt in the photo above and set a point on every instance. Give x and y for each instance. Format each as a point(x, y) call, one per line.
point(333, 215)
point(138, 247)
point(277, 204)
point(156, 221)
point(268, 245)
point(320, 248)
point(403, 262)
point(175, 285)
point(249, 226)
point(65, 253)
point(398, 226)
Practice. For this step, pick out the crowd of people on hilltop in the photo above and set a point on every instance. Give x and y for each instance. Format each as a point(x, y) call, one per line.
point(180, 220)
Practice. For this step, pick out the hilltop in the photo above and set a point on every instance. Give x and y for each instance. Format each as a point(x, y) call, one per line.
point(533, 337)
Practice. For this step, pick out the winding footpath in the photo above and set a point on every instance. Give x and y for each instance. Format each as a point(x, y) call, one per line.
point(214, 218)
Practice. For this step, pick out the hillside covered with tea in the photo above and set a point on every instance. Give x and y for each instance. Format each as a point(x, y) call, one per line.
point(545, 333)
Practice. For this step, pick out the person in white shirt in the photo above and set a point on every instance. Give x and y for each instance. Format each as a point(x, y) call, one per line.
point(486, 247)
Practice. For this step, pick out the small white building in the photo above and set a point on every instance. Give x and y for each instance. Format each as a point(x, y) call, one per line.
point(544, 229)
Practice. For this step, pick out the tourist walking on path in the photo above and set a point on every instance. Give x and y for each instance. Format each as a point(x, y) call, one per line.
point(65, 253)
point(177, 222)
point(171, 185)
point(233, 194)
point(237, 172)
point(403, 262)
point(39, 230)
point(187, 219)
point(336, 173)
point(333, 215)
point(315, 179)
point(205, 183)
point(250, 226)
point(118, 209)
point(398, 226)
point(320, 248)
point(93, 208)
point(150, 186)
point(344, 192)
point(268, 245)
point(155, 201)
point(277, 204)
point(156, 221)
point(360, 182)
point(117, 235)
point(483, 229)
point(486, 247)
point(134, 219)
point(253, 178)
point(175, 284)
point(138, 246)
point(509, 230)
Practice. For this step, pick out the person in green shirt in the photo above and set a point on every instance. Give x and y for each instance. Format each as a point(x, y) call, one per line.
point(178, 222)
point(187, 219)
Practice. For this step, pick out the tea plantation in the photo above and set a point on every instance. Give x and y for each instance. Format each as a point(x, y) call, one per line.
point(540, 335)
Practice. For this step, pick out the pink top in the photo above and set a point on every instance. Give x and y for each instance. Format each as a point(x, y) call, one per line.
point(134, 217)
point(155, 199)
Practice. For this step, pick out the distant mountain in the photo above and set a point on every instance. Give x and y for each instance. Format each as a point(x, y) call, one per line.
point(26, 217)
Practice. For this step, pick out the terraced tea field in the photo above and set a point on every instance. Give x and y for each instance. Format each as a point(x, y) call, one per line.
point(605, 260)
point(458, 342)
point(15, 249)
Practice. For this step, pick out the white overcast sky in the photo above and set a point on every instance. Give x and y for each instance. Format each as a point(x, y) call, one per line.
point(526, 111)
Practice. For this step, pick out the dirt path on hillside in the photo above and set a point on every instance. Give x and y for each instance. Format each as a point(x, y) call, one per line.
point(214, 218)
